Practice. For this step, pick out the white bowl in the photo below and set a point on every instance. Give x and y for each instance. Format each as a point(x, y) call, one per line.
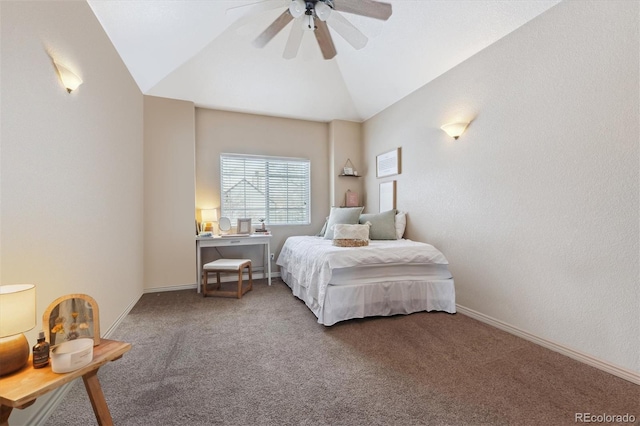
point(71, 355)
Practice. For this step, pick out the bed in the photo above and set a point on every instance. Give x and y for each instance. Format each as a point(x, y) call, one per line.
point(384, 278)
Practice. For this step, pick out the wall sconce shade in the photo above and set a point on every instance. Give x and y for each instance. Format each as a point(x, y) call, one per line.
point(70, 80)
point(17, 315)
point(455, 129)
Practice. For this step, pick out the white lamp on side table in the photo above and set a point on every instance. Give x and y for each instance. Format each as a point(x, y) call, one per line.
point(17, 315)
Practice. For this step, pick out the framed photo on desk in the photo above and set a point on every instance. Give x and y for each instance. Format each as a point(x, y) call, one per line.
point(244, 226)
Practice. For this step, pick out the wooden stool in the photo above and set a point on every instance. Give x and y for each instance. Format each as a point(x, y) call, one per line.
point(226, 265)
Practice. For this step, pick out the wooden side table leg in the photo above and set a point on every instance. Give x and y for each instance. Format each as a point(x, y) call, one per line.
point(96, 396)
point(5, 412)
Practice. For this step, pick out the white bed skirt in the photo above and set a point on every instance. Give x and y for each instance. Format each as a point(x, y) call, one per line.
point(386, 298)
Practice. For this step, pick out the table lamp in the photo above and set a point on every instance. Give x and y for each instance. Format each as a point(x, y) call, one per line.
point(208, 216)
point(17, 315)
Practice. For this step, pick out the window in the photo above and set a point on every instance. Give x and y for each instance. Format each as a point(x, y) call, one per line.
point(272, 188)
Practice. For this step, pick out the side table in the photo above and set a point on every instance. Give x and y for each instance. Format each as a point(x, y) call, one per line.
point(22, 388)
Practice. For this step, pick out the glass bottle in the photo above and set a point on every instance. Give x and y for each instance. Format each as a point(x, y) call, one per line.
point(41, 352)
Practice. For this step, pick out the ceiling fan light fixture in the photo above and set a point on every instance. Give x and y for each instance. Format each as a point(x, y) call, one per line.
point(322, 10)
point(297, 8)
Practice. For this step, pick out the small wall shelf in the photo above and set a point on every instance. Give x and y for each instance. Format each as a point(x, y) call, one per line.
point(343, 175)
point(349, 169)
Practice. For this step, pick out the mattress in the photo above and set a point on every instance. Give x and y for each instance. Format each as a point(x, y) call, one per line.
point(391, 272)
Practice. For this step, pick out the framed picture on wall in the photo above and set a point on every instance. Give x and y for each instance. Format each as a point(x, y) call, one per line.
point(387, 196)
point(388, 163)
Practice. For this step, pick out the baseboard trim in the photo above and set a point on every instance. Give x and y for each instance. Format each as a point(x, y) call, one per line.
point(170, 288)
point(56, 396)
point(224, 278)
point(618, 371)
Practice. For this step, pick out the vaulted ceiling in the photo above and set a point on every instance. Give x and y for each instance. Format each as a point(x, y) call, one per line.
point(201, 51)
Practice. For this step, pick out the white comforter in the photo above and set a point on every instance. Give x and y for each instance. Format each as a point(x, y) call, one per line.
point(311, 260)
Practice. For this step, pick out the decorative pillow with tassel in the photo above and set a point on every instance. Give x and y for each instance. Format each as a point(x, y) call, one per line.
point(351, 235)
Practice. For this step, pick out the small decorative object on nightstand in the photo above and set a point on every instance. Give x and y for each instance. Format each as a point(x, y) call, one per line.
point(40, 352)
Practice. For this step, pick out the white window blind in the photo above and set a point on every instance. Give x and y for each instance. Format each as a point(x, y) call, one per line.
point(272, 188)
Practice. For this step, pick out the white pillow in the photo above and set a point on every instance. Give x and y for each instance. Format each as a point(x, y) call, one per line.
point(401, 224)
point(351, 232)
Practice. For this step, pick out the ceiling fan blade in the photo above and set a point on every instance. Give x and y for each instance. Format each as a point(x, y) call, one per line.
point(293, 42)
point(347, 30)
point(273, 29)
point(256, 6)
point(369, 8)
point(324, 40)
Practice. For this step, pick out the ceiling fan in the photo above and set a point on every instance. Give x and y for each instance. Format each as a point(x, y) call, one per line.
point(318, 16)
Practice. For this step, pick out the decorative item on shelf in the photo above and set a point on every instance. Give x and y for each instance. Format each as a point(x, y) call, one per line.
point(17, 315)
point(351, 199)
point(455, 129)
point(349, 169)
point(72, 317)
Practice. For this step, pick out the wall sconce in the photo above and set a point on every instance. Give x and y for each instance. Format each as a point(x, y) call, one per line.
point(455, 129)
point(208, 216)
point(17, 315)
point(70, 80)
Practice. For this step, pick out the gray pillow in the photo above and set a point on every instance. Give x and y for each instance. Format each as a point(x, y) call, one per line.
point(383, 225)
point(342, 215)
point(324, 228)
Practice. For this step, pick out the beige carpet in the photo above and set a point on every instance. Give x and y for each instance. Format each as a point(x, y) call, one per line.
point(264, 360)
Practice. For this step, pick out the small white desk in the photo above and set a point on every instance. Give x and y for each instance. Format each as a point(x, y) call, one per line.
point(250, 240)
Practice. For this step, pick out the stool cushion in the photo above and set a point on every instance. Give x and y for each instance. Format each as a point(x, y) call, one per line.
point(225, 264)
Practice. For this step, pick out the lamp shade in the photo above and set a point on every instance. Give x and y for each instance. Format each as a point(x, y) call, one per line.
point(17, 309)
point(455, 129)
point(322, 11)
point(209, 215)
point(297, 8)
point(70, 80)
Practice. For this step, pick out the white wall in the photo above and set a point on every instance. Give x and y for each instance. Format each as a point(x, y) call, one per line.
point(71, 165)
point(536, 205)
point(345, 143)
point(230, 132)
point(169, 193)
